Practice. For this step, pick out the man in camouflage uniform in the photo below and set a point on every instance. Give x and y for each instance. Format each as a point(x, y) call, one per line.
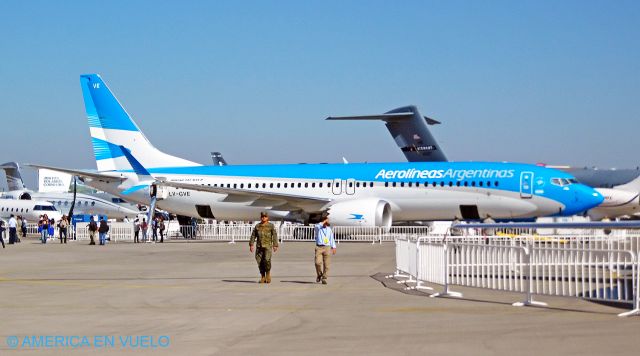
point(267, 238)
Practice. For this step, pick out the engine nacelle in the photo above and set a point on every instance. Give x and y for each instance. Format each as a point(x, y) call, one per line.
point(364, 212)
point(17, 194)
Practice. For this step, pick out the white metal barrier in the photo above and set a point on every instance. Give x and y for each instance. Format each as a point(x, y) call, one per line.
point(291, 232)
point(591, 267)
point(118, 232)
point(403, 249)
point(242, 232)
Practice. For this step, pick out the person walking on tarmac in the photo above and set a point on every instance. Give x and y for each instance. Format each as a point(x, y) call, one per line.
point(63, 225)
point(154, 228)
point(455, 231)
point(325, 240)
point(13, 235)
point(136, 231)
point(102, 231)
point(265, 236)
point(161, 228)
point(488, 231)
point(93, 227)
point(2, 229)
point(23, 227)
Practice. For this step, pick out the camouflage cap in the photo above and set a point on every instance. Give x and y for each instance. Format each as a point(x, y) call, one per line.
point(264, 214)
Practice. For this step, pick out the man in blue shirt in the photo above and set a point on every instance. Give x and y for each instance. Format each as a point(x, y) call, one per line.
point(325, 241)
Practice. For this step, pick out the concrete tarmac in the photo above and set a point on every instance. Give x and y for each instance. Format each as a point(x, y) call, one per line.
point(203, 298)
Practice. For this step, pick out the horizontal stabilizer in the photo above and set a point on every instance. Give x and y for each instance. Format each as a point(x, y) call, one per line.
point(402, 116)
point(384, 117)
point(431, 121)
point(82, 174)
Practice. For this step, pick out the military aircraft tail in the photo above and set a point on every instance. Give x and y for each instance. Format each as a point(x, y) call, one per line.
point(410, 131)
point(14, 178)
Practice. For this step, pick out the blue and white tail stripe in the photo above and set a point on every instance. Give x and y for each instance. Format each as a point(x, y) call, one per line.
point(111, 126)
point(105, 150)
point(137, 167)
point(103, 109)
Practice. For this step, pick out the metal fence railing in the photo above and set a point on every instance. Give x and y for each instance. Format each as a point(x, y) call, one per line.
point(593, 267)
point(121, 232)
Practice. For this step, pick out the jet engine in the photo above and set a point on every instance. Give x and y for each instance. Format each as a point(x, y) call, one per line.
point(362, 212)
point(17, 194)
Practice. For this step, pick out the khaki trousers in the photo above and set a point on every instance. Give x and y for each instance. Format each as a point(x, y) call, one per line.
point(323, 261)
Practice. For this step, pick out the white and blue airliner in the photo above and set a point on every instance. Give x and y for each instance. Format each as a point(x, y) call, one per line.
point(355, 194)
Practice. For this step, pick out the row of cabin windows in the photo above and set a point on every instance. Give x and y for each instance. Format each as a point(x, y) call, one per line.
point(442, 184)
point(79, 203)
point(357, 184)
point(17, 210)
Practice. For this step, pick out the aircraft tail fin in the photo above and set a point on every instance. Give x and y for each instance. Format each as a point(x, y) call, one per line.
point(217, 159)
point(632, 186)
point(410, 131)
point(111, 126)
point(14, 178)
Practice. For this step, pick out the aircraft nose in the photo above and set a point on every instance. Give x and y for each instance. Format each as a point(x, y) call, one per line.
point(588, 197)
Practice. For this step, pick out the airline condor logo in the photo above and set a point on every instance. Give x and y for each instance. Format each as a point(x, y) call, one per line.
point(445, 173)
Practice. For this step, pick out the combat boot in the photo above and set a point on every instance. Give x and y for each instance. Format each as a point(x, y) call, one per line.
point(268, 278)
point(262, 278)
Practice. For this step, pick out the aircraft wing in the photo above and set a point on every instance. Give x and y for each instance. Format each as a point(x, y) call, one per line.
point(81, 173)
point(257, 198)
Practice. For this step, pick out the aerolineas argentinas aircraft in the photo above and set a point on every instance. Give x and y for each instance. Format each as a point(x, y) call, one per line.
point(369, 194)
point(410, 130)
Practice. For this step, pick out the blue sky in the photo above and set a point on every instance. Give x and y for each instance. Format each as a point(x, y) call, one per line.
point(531, 81)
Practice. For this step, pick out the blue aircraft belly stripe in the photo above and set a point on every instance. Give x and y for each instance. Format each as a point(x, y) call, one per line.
point(134, 189)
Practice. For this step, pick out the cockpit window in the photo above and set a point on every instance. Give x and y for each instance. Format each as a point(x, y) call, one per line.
point(44, 208)
point(561, 182)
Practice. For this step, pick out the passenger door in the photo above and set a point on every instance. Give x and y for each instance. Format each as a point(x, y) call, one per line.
point(350, 187)
point(526, 185)
point(336, 188)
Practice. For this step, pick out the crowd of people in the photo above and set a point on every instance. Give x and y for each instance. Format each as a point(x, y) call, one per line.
point(157, 226)
point(47, 228)
point(17, 226)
